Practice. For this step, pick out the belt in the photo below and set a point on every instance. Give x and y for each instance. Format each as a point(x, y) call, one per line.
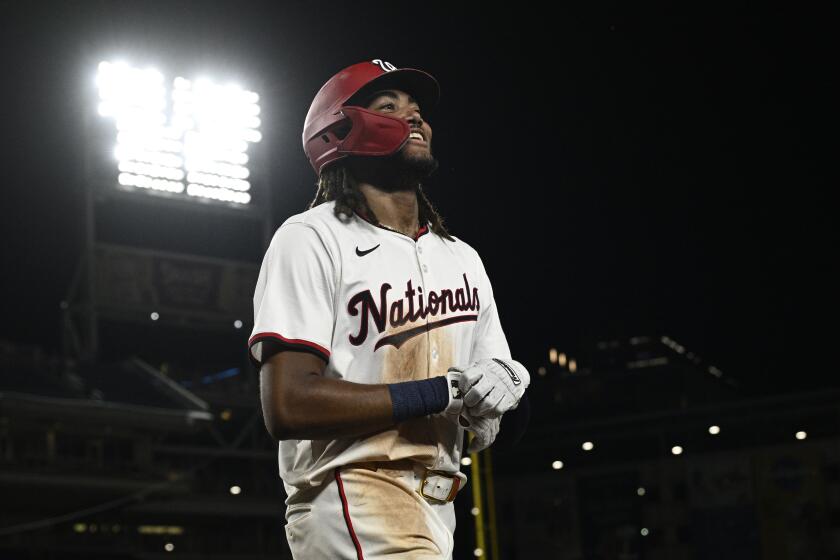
point(436, 486)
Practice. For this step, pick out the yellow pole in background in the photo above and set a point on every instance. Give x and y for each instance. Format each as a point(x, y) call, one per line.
point(476, 496)
point(491, 505)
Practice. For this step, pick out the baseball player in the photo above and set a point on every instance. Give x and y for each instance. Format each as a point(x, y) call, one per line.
point(376, 334)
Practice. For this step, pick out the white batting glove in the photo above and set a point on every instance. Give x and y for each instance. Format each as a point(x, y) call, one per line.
point(454, 409)
point(493, 386)
point(484, 430)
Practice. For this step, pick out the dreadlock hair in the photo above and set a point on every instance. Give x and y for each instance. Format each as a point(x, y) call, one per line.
point(337, 183)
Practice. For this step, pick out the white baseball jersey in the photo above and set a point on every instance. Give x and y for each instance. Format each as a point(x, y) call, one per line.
point(379, 307)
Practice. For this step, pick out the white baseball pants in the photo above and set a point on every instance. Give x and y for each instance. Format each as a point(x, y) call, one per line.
point(361, 514)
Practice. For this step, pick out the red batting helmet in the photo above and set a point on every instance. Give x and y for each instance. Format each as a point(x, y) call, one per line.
point(335, 128)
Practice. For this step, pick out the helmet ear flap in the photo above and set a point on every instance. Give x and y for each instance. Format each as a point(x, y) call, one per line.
point(343, 129)
point(372, 133)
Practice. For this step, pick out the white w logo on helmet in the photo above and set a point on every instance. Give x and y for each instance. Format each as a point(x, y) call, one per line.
point(386, 66)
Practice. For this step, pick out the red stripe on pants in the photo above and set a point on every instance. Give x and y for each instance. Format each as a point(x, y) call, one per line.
point(346, 510)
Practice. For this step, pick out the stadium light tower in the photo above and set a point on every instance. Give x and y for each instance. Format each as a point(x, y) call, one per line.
point(186, 139)
point(186, 144)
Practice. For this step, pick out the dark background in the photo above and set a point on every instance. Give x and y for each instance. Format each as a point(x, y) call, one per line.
point(624, 171)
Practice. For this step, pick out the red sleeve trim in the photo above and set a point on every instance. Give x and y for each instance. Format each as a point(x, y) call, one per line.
point(293, 342)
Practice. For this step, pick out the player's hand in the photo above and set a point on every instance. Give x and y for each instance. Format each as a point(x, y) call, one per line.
point(493, 386)
point(484, 430)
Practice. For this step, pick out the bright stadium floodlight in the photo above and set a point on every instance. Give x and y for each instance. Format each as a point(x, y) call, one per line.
point(189, 139)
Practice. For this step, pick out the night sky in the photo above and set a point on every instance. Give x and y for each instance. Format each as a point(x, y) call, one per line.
point(625, 171)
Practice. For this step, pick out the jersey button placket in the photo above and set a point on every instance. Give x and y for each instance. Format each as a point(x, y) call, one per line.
point(425, 269)
point(423, 265)
point(433, 353)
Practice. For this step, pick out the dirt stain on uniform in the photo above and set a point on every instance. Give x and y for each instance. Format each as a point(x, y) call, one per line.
point(442, 351)
point(421, 357)
point(389, 516)
point(427, 355)
point(408, 362)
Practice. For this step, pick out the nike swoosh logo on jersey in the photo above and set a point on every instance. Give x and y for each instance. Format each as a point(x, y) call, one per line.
point(363, 253)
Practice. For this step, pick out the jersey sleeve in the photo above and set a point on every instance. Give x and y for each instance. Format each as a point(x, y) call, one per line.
point(294, 296)
point(489, 339)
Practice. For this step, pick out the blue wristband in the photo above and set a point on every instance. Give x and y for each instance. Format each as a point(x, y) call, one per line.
point(413, 399)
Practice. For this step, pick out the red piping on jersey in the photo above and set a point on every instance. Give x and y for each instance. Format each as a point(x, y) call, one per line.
point(345, 508)
point(423, 229)
point(257, 337)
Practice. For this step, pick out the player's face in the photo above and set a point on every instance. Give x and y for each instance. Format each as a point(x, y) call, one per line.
point(399, 104)
point(414, 162)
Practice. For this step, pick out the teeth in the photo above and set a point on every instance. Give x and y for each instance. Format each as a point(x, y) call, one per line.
point(415, 135)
